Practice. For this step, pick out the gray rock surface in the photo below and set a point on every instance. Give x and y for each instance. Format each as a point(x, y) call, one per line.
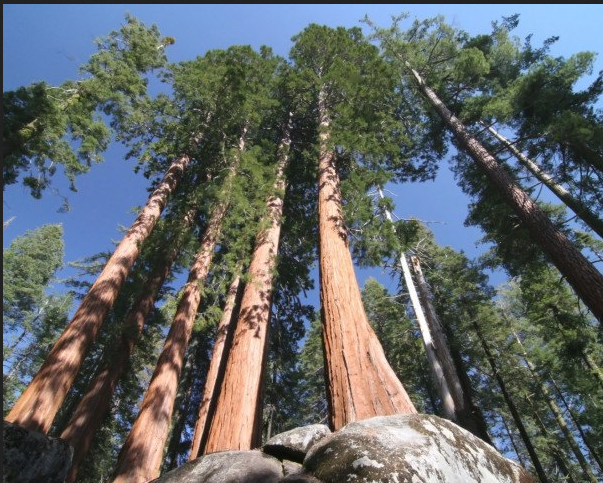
point(291, 467)
point(294, 444)
point(31, 457)
point(227, 467)
point(409, 448)
point(300, 478)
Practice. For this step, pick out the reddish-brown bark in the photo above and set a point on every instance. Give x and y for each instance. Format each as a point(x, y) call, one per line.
point(93, 407)
point(39, 403)
point(215, 373)
point(140, 457)
point(237, 419)
point(360, 382)
point(586, 281)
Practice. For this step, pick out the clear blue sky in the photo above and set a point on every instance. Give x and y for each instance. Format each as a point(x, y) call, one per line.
point(48, 42)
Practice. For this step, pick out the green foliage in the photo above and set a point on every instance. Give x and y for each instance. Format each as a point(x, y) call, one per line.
point(555, 333)
point(357, 88)
point(45, 126)
point(400, 340)
point(32, 318)
point(314, 406)
point(379, 132)
point(23, 357)
point(29, 263)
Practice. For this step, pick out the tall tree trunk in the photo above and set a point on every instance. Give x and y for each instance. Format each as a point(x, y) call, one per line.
point(140, 457)
point(360, 382)
point(217, 366)
point(442, 384)
point(433, 403)
point(182, 408)
point(237, 420)
point(512, 439)
point(512, 408)
point(592, 365)
point(466, 413)
point(558, 414)
point(583, 435)
point(89, 414)
point(553, 448)
point(441, 381)
point(579, 272)
point(39, 403)
point(461, 370)
point(583, 211)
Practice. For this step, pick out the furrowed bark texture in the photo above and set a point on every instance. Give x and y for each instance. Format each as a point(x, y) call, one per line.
point(39, 403)
point(95, 404)
point(217, 366)
point(140, 458)
point(360, 382)
point(237, 421)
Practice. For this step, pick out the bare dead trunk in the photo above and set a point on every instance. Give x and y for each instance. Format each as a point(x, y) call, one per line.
point(558, 414)
point(14, 345)
point(466, 413)
point(584, 213)
point(6, 223)
point(360, 382)
point(217, 366)
point(440, 380)
point(89, 414)
point(140, 457)
point(512, 408)
point(579, 272)
point(39, 403)
point(435, 363)
point(237, 420)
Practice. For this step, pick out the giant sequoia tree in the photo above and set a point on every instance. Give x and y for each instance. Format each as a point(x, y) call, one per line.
point(277, 162)
point(140, 458)
point(340, 64)
point(235, 420)
point(93, 407)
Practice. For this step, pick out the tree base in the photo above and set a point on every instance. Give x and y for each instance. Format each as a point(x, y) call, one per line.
point(31, 457)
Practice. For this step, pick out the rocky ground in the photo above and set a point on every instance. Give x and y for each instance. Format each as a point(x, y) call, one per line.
point(415, 448)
